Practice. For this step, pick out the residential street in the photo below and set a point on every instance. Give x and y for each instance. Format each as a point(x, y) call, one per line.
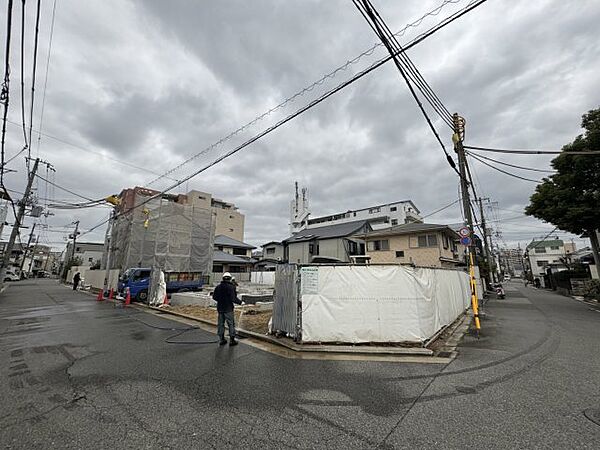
point(82, 374)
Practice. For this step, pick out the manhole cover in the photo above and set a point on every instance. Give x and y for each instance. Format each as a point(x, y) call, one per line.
point(593, 414)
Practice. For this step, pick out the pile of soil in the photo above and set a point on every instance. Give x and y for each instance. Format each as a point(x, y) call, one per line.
point(247, 319)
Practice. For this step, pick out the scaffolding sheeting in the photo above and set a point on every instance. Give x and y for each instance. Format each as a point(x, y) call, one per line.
point(178, 237)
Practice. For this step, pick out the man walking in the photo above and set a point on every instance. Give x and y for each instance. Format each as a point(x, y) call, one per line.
point(225, 296)
point(76, 280)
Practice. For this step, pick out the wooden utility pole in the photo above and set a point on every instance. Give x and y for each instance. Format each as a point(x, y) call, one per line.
point(26, 249)
point(457, 138)
point(486, 248)
point(18, 220)
point(74, 236)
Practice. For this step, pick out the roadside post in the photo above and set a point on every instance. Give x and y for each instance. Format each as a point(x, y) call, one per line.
point(466, 240)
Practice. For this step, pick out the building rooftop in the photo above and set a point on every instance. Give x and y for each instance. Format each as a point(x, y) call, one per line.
point(223, 257)
point(546, 243)
point(226, 241)
point(410, 228)
point(328, 231)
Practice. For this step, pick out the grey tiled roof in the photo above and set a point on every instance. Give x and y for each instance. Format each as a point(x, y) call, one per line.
point(226, 241)
point(223, 257)
point(329, 231)
point(409, 228)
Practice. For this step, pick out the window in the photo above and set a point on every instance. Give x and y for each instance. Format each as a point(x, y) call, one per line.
point(540, 250)
point(90, 259)
point(231, 229)
point(270, 251)
point(554, 247)
point(240, 251)
point(375, 246)
point(220, 247)
point(400, 254)
point(393, 208)
point(231, 217)
point(445, 241)
point(542, 263)
point(394, 222)
point(427, 240)
point(313, 249)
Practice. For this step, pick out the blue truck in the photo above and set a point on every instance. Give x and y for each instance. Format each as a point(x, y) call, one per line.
point(137, 279)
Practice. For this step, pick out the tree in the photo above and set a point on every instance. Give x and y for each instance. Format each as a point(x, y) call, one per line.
point(570, 199)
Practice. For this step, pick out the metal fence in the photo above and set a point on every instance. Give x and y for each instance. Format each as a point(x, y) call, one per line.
point(285, 300)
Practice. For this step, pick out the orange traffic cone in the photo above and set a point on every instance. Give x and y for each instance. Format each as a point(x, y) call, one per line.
point(100, 296)
point(111, 294)
point(166, 300)
point(128, 298)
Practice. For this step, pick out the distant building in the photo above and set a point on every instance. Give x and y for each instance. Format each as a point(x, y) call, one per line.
point(542, 254)
point(378, 216)
point(88, 252)
point(420, 244)
point(511, 261)
point(337, 242)
point(231, 255)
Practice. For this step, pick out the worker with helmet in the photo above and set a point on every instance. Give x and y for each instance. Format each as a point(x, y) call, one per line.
point(225, 295)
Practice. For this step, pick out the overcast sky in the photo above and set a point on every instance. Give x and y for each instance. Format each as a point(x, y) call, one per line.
point(150, 83)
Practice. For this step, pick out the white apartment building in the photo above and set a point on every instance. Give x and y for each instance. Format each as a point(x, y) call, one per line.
point(543, 253)
point(378, 216)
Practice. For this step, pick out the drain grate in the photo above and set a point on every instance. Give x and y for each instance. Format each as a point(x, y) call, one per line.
point(593, 414)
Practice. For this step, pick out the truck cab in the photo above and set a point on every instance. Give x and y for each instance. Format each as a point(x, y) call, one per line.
point(137, 279)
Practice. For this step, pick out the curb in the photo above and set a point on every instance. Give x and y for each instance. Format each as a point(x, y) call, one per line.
point(397, 351)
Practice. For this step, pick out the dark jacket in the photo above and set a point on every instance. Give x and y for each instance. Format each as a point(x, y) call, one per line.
point(225, 296)
point(77, 277)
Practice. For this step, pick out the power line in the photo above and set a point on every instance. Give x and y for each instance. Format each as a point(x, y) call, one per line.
point(68, 190)
point(46, 75)
point(410, 70)
point(305, 108)
point(331, 75)
point(87, 150)
point(513, 165)
point(395, 49)
point(442, 208)
point(4, 93)
point(35, 48)
point(503, 171)
point(23, 76)
point(532, 152)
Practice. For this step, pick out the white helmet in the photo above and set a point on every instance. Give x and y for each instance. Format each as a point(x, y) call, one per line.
point(226, 276)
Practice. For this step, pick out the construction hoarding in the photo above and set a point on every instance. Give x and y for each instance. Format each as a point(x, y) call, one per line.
point(376, 303)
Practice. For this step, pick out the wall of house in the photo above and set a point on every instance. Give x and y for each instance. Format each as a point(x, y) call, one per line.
point(229, 250)
point(333, 248)
point(277, 252)
point(298, 253)
point(420, 256)
point(551, 256)
point(229, 222)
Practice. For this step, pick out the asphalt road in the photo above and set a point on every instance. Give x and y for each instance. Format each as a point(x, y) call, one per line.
point(81, 374)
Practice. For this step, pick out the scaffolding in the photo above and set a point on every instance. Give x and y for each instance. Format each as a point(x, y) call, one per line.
point(164, 233)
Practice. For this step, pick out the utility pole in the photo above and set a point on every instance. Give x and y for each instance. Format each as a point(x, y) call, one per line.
point(485, 241)
point(457, 138)
point(26, 249)
point(37, 240)
point(18, 220)
point(74, 236)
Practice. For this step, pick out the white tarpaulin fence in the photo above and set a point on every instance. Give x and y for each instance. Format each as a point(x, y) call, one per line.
point(379, 303)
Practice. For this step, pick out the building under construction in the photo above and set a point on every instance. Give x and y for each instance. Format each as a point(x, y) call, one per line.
point(174, 232)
